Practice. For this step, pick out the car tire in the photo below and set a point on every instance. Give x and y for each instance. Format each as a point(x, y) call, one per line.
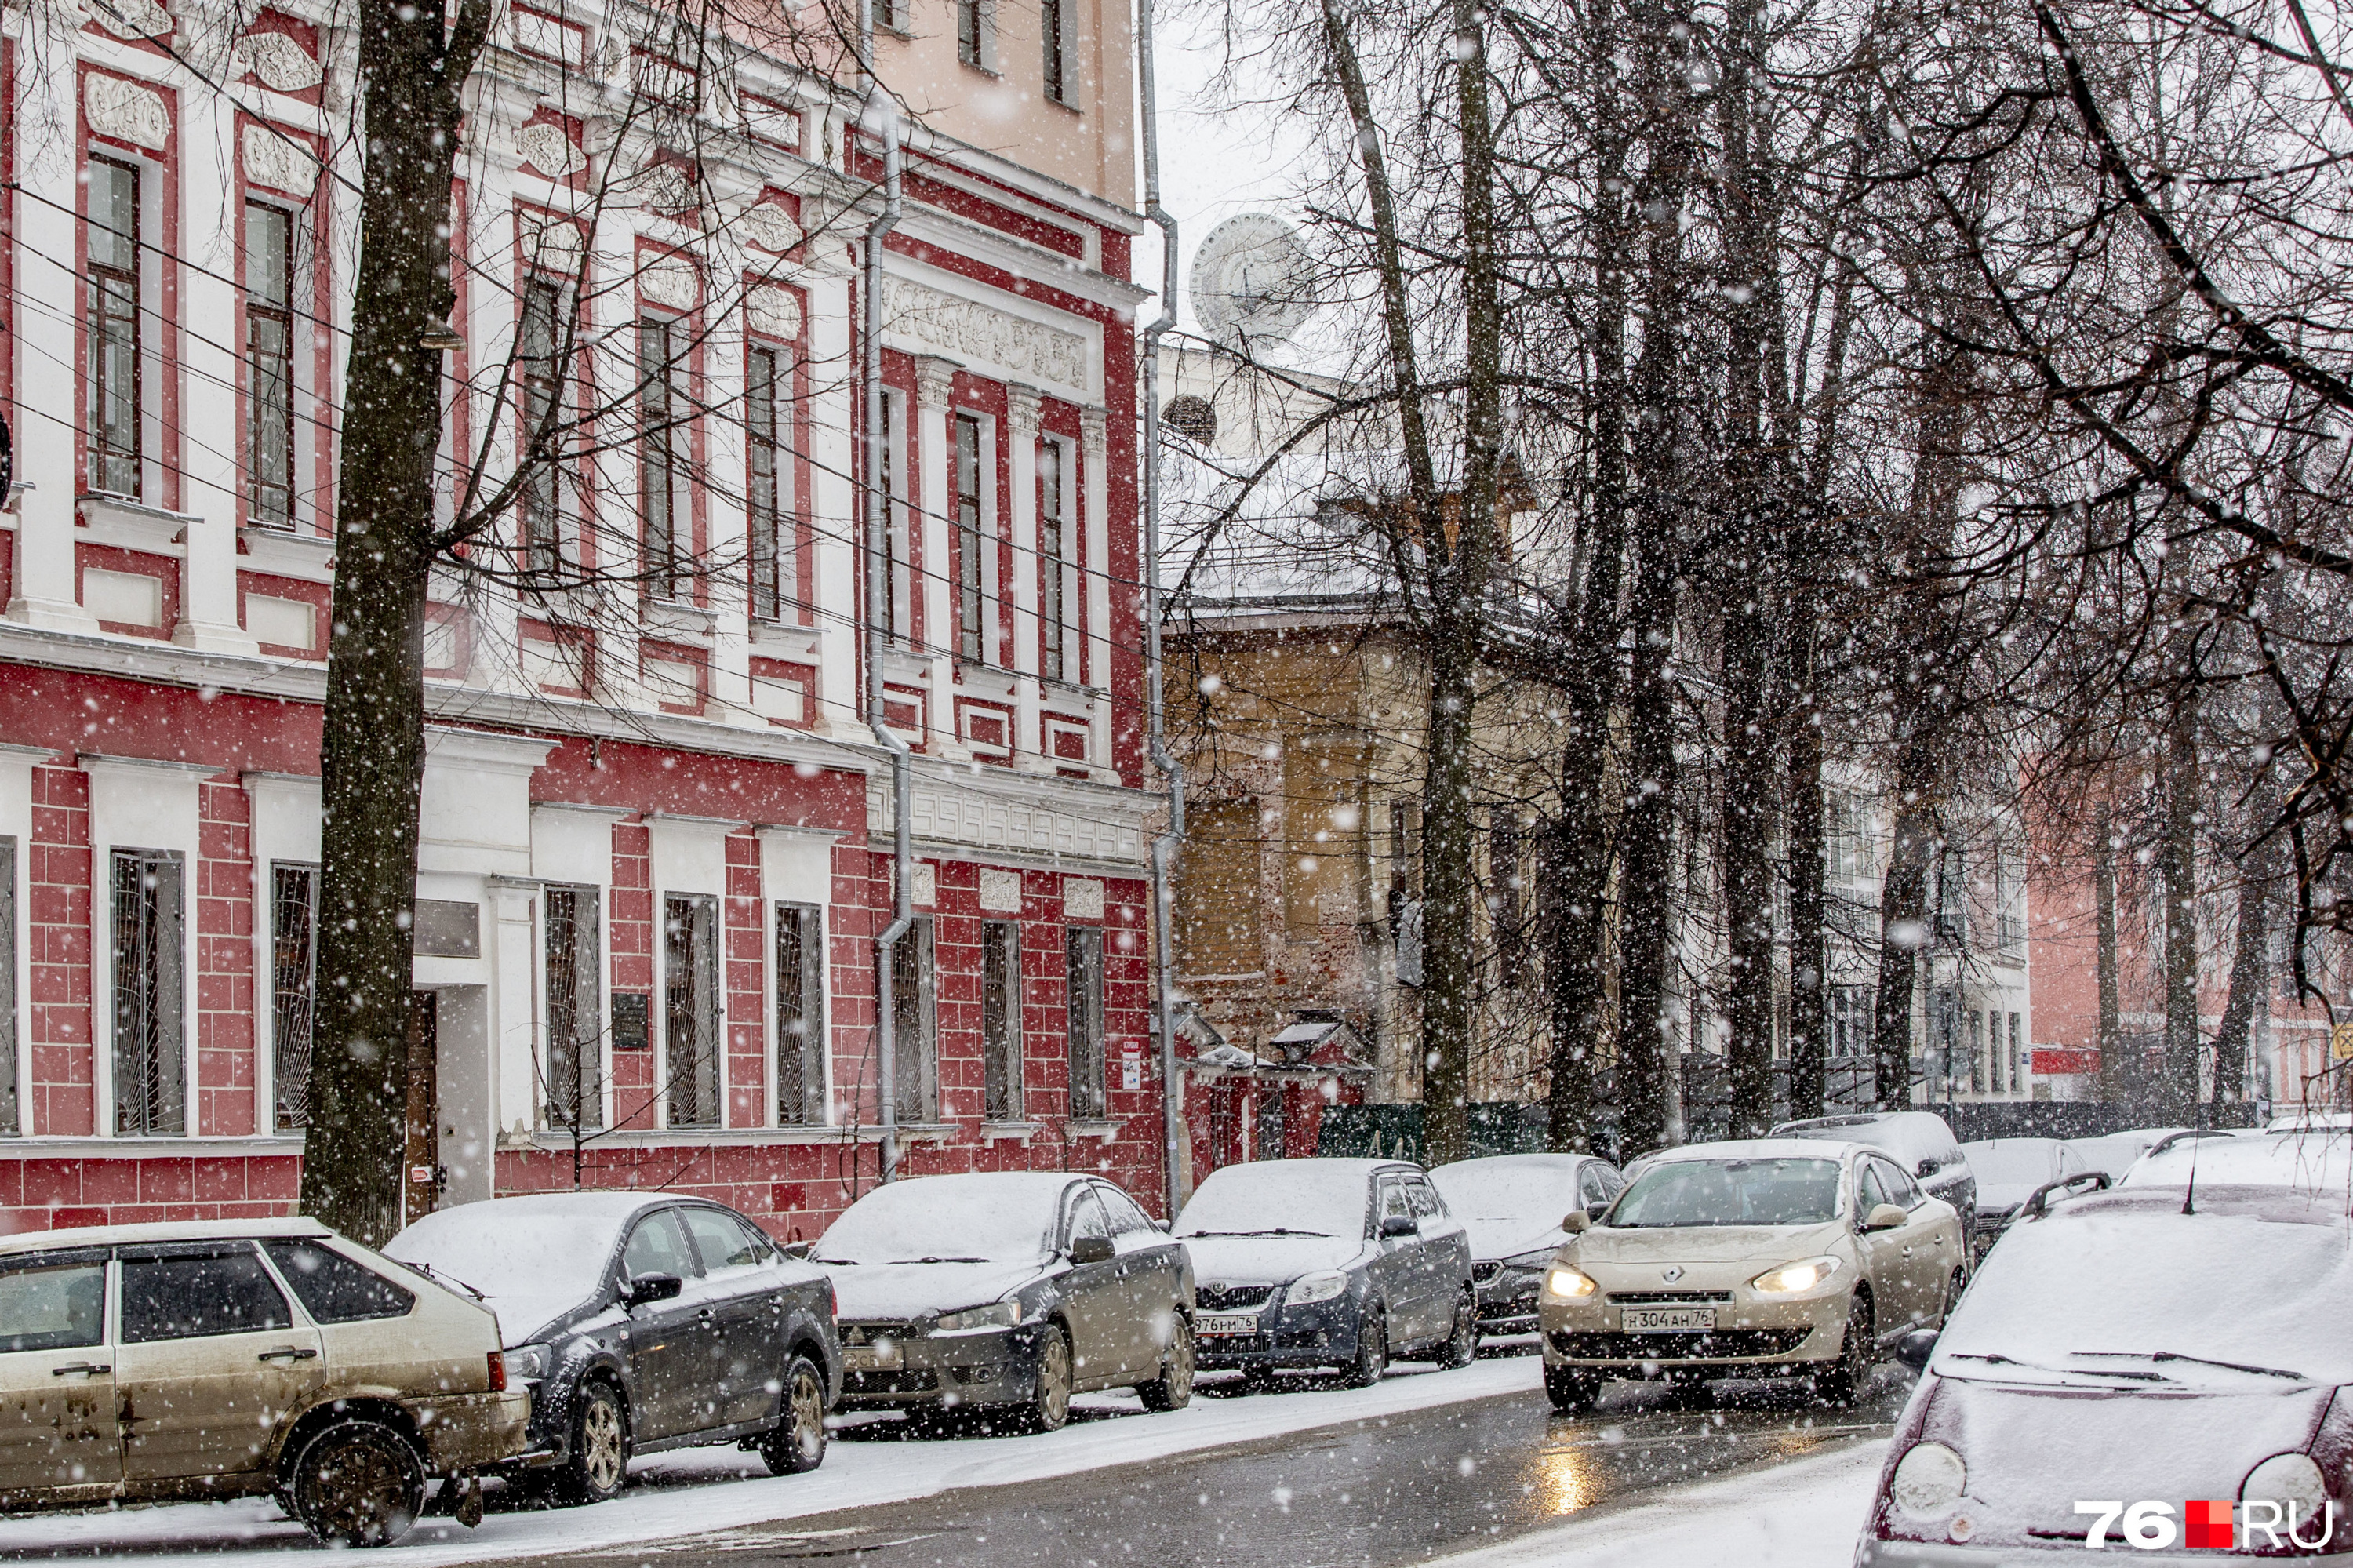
point(1372, 1351)
point(598, 1467)
point(358, 1483)
point(1461, 1345)
point(1839, 1384)
point(1050, 1406)
point(1173, 1389)
point(797, 1444)
point(1574, 1391)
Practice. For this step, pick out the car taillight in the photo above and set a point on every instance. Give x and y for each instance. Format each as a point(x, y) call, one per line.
point(498, 1372)
point(832, 1302)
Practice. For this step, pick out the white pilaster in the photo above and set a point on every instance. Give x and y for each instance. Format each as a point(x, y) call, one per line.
point(1021, 407)
point(48, 305)
point(834, 517)
point(510, 1098)
point(211, 446)
point(934, 392)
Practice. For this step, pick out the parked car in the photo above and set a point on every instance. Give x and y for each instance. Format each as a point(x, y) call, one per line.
point(228, 1358)
point(2316, 1162)
point(1921, 1142)
point(2117, 1152)
point(1003, 1293)
point(1328, 1263)
point(2007, 1170)
point(1756, 1258)
point(2117, 1347)
point(1510, 1207)
point(641, 1321)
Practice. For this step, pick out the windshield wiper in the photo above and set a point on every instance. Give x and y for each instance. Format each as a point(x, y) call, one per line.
point(2201, 1360)
point(939, 1260)
point(430, 1272)
point(1278, 1230)
point(1995, 1357)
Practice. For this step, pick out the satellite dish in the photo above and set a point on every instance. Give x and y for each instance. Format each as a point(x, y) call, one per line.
point(1249, 281)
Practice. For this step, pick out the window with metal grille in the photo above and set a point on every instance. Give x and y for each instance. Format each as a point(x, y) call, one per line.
point(1084, 950)
point(764, 493)
point(12, 1122)
point(971, 602)
point(575, 1066)
point(691, 996)
point(112, 429)
point(1052, 22)
point(1000, 1021)
point(539, 356)
point(659, 433)
point(1050, 560)
point(150, 1056)
point(800, 1015)
point(293, 987)
point(914, 1070)
point(269, 362)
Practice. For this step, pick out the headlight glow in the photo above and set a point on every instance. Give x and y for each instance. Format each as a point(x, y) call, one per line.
point(2291, 1480)
point(1568, 1282)
point(1792, 1277)
point(527, 1362)
point(1309, 1289)
point(999, 1315)
point(1929, 1480)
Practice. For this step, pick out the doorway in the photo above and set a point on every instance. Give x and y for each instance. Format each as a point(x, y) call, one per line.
point(420, 1162)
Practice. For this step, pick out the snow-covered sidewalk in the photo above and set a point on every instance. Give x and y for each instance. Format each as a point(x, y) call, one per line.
point(700, 1490)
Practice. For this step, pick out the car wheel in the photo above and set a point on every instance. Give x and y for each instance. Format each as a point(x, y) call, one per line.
point(358, 1483)
point(1372, 1352)
point(799, 1443)
point(1173, 1389)
point(1839, 1382)
point(599, 1463)
point(1461, 1346)
point(1573, 1391)
point(1049, 1408)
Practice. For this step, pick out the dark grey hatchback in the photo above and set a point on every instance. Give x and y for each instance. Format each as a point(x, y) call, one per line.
point(641, 1321)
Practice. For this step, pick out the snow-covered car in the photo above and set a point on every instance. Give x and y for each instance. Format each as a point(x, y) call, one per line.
point(2008, 1169)
point(641, 1321)
point(1921, 1141)
point(999, 1294)
point(2316, 1161)
point(2116, 1152)
point(2116, 1356)
point(223, 1357)
point(1328, 1263)
point(1761, 1258)
point(1510, 1207)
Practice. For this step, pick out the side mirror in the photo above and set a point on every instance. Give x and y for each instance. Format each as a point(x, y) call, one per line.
point(1163, 1226)
point(644, 1289)
point(1884, 1217)
point(1575, 1221)
point(1085, 1250)
point(1393, 1225)
point(1925, 1169)
point(798, 1251)
point(1915, 1348)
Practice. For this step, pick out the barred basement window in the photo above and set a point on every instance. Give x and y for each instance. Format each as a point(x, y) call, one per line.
point(1084, 950)
point(574, 1074)
point(1000, 1021)
point(690, 994)
point(800, 1015)
point(293, 987)
point(149, 1039)
point(12, 1121)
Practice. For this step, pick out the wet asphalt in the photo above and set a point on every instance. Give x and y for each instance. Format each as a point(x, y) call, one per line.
point(1372, 1494)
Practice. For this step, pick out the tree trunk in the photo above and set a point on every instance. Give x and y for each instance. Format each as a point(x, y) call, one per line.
point(2250, 972)
point(1809, 899)
point(2103, 898)
point(2177, 1098)
point(1903, 924)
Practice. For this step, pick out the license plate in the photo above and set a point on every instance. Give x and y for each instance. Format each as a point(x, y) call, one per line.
point(880, 1356)
point(1669, 1320)
point(1226, 1323)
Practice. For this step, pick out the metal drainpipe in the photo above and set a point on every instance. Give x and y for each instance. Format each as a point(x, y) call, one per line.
point(1163, 848)
point(880, 115)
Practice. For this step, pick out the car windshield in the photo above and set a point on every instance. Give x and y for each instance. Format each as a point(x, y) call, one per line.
point(1731, 1192)
point(1278, 1197)
point(505, 1255)
point(946, 1219)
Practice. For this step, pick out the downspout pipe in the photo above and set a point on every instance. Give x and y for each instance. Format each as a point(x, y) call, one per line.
point(880, 118)
point(1164, 847)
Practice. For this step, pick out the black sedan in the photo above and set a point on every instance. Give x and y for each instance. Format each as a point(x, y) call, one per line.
point(1328, 1263)
point(999, 1294)
point(640, 1322)
point(1512, 1207)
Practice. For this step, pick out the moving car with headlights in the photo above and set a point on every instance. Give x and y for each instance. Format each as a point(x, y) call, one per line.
point(1329, 1262)
point(1510, 1207)
point(1000, 1294)
point(2084, 1365)
point(641, 1321)
point(2007, 1170)
point(1920, 1141)
point(226, 1358)
point(1760, 1257)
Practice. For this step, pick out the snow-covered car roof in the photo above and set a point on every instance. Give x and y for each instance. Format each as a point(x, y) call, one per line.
point(2313, 1162)
point(160, 1230)
point(1911, 1135)
point(1763, 1149)
point(614, 1206)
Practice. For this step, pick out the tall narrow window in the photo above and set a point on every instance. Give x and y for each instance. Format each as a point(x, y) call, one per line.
point(574, 1066)
point(1050, 560)
point(150, 1080)
point(113, 328)
point(691, 996)
point(1952, 901)
point(764, 493)
point(914, 1064)
point(800, 1015)
point(1083, 949)
point(893, 545)
point(970, 603)
point(1050, 22)
point(1000, 1021)
point(538, 353)
point(11, 1118)
point(270, 361)
point(2017, 1056)
point(658, 440)
point(971, 45)
point(293, 987)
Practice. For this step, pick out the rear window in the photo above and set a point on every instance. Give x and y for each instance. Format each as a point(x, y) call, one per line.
point(333, 1288)
point(53, 1301)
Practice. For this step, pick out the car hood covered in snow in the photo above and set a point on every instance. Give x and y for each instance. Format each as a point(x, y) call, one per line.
point(1706, 1244)
point(1267, 1260)
point(1509, 1238)
point(894, 1292)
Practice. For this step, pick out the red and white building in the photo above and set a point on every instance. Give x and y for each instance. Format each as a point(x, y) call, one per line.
point(656, 837)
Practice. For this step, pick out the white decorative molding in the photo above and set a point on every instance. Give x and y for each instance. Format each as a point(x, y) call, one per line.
point(935, 380)
point(274, 160)
point(768, 225)
point(132, 19)
point(1083, 898)
point(1000, 890)
point(951, 814)
point(280, 60)
point(1021, 408)
point(922, 883)
point(671, 284)
point(127, 111)
point(546, 146)
point(554, 244)
point(776, 313)
point(969, 331)
point(664, 186)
